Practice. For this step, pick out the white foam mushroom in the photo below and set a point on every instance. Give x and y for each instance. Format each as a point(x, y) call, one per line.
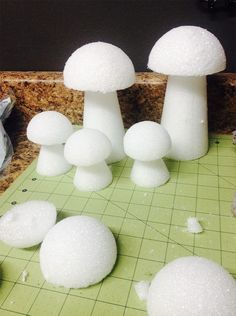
point(192, 286)
point(77, 252)
point(187, 54)
point(50, 129)
point(100, 69)
point(26, 224)
point(147, 142)
point(87, 149)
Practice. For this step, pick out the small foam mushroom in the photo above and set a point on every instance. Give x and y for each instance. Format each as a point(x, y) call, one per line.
point(192, 286)
point(99, 69)
point(26, 224)
point(50, 129)
point(147, 142)
point(77, 252)
point(187, 54)
point(87, 149)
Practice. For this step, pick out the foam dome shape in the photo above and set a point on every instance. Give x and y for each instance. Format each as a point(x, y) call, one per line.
point(49, 128)
point(26, 224)
point(99, 67)
point(77, 252)
point(87, 147)
point(192, 286)
point(187, 51)
point(146, 141)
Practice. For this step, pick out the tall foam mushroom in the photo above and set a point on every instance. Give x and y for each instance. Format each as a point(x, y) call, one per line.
point(99, 69)
point(187, 54)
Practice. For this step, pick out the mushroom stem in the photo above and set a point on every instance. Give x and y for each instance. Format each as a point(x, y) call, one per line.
point(93, 178)
point(149, 174)
point(102, 112)
point(51, 161)
point(185, 117)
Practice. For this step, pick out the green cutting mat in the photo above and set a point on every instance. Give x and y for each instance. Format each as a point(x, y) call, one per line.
point(149, 226)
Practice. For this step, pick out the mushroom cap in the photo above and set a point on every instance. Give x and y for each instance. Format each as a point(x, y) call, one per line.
point(87, 147)
point(187, 51)
point(49, 128)
point(26, 224)
point(77, 252)
point(99, 67)
point(147, 141)
point(192, 286)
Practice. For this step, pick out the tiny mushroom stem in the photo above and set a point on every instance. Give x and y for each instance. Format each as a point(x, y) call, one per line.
point(100, 69)
point(87, 149)
point(50, 129)
point(187, 54)
point(147, 142)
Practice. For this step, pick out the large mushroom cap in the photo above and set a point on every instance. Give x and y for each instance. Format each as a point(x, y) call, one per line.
point(77, 252)
point(87, 147)
point(146, 141)
point(187, 51)
point(99, 67)
point(49, 128)
point(192, 286)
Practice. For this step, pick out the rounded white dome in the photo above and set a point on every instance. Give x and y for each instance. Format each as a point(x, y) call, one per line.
point(49, 128)
point(87, 147)
point(26, 224)
point(99, 67)
point(192, 286)
point(77, 252)
point(146, 141)
point(187, 51)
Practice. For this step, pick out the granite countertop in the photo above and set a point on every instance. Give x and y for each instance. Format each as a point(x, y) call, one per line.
point(39, 91)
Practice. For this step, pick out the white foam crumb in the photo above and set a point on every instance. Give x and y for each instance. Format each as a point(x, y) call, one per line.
point(24, 276)
point(233, 209)
point(12, 302)
point(193, 225)
point(141, 289)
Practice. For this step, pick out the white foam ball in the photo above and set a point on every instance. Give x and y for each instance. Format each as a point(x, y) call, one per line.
point(26, 224)
point(77, 252)
point(187, 51)
point(99, 67)
point(146, 141)
point(192, 286)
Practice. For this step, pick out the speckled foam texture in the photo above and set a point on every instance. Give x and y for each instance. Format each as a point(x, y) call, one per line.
point(187, 51)
point(99, 67)
point(26, 224)
point(77, 252)
point(49, 128)
point(87, 147)
point(146, 141)
point(192, 286)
